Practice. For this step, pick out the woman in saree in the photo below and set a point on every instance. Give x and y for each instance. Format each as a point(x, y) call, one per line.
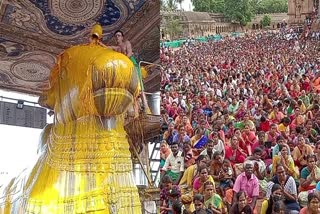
point(198, 183)
point(212, 200)
point(168, 134)
point(288, 188)
point(313, 204)
point(285, 160)
point(310, 176)
point(199, 141)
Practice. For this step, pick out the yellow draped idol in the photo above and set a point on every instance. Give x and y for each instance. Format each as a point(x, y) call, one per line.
point(84, 164)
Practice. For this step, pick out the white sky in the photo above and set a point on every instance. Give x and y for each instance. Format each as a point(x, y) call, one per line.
point(186, 5)
point(18, 145)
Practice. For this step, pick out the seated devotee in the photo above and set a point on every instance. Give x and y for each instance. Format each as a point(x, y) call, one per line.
point(265, 147)
point(208, 151)
point(199, 204)
point(264, 124)
point(285, 160)
point(215, 166)
point(298, 119)
point(246, 182)
point(179, 208)
point(229, 130)
point(300, 152)
point(276, 149)
point(234, 153)
point(313, 206)
point(276, 116)
point(233, 106)
point(170, 133)
point(173, 196)
point(268, 204)
point(186, 182)
point(225, 177)
point(212, 200)
point(181, 136)
point(284, 128)
point(165, 151)
point(187, 125)
point(241, 205)
point(272, 134)
point(176, 162)
point(259, 167)
point(198, 183)
point(288, 186)
point(189, 157)
point(199, 141)
point(215, 144)
point(249, 138)
point(167, 187)
point(310, 176)
point(311, 133)
point(246, 121)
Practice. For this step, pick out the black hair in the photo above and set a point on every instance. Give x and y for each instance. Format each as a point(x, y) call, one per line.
point(279, 138)
point(167, 179)
point(174, 143)
point(274, 188)
point(283, 146)
point(198, 197)
point(118, 31)
point(278, 206)
point(309, 156)
point(201, 157)
point(286, 120)
point(207, 183)
point(202, 168)
point(313, 195)
point(257, 149)
point(215, 154)
point(177, 207)
point(239, 194)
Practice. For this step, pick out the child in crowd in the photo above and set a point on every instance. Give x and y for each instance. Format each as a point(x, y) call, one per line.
point(226, 176)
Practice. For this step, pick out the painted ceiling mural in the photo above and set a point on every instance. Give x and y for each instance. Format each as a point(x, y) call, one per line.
point(34, 32)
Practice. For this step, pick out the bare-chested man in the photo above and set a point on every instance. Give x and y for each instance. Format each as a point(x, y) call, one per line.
point(124, 46)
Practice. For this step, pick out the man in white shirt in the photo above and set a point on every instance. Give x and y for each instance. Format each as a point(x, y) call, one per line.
point(174, 165)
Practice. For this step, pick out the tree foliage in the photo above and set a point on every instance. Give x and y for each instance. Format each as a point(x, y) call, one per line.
point(265, 21)
point(173, 27)
point(257, 6)
point(239, 11)
point(169, 5)
point(270, 6)
point(212, 6)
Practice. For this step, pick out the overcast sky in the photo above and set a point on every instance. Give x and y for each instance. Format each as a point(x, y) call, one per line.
point(187, 5)
point(18, 145)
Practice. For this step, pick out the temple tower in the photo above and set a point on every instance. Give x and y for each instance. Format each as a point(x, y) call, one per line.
point(298, 10)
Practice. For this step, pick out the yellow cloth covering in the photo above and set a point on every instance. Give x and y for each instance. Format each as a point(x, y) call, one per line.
point(84, 164)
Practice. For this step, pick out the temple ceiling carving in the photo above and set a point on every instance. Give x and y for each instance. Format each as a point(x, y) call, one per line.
point(34, 32)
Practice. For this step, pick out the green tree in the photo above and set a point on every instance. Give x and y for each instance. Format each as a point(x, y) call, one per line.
point(163, 5)
point(239, 11)
point(271, 6)
point(212, 6)
point(265, 21)
point(169, 5)
point(173, 27)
